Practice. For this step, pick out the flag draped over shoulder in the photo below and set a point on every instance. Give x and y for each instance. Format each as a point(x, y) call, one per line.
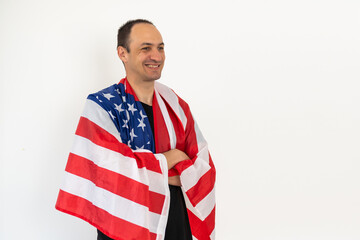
point(116, 177)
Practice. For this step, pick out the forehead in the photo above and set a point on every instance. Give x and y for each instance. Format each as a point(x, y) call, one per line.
point(145, 33)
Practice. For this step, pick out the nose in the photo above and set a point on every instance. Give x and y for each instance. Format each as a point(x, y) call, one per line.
point(156, 55)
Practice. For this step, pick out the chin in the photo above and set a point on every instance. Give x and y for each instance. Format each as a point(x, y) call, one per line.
point(153, 78)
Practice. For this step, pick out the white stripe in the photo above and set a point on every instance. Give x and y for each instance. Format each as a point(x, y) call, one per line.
point(212, 235)
point(95, 113)
point(112, 203)
point(207, 204)
point(195, 210)
point(204, 212)
point(142, 150)
point(118, 163)
point(165, 210)
point(183, 117)
point(202, 144)
point(172, 99)
point(190, 176)
point(167, 119)
point(189, 206)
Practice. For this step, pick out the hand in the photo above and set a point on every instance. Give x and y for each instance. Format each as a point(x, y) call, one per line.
point(174, 156)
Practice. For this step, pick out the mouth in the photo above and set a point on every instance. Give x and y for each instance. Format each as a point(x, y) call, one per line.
point(153, 66)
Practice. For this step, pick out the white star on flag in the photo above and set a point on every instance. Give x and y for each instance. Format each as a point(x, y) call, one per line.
point(138, 148)
point(132, 108)
point(125, 124)
point(142, 115)
point(132, 134)
point(97, 97)
point(108, 96)
point(118, 107)
point(124, 99)
point(112, 116)
point(141, 124)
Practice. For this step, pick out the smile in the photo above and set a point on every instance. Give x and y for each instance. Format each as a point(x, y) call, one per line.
point(152, 66)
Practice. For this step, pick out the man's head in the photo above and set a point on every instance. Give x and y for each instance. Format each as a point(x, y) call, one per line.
point(125, 30)
point(141, 49)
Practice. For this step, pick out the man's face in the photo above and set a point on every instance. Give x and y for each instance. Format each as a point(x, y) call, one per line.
point(146, 58)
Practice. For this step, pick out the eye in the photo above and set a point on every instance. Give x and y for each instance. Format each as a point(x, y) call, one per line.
point(146, 48)
point(161, 48)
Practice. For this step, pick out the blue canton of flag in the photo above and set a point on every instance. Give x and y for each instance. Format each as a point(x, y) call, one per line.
point(128, 116)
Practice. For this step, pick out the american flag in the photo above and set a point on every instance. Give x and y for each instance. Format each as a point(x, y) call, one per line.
point(116, 177)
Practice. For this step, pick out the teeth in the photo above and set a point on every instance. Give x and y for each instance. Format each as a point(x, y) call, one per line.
point(153, 66)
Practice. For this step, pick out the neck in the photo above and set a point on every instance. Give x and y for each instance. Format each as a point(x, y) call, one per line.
point(143, 90)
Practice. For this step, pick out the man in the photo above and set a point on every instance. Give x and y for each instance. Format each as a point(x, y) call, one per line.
point(140, 168)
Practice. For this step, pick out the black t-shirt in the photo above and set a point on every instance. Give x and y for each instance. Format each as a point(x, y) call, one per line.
point(178, 227)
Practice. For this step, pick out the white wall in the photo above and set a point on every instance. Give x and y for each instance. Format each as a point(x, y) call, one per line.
point(274, 86)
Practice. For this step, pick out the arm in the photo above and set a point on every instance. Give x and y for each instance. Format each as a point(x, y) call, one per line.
point(197, 173)
point(173, 157)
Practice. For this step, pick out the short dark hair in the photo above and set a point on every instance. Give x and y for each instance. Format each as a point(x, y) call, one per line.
point(125, 30)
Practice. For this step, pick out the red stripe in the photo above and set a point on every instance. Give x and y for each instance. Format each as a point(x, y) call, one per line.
point(191, 147)
point(128, 88)
point(178, 128)
point(109, 180)
point(202, 229)
point(181, 166)
point(191, 141)
point(161, 135)
point(112, 226)
point(99, 136)
point(179, 132)
point(203, 187)
point(148, 160)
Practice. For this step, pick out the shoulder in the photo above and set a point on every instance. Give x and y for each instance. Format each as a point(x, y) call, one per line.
point(108, 98)
point(170, 96)
point(106, 93)
point(176, 103)
point(107, 104)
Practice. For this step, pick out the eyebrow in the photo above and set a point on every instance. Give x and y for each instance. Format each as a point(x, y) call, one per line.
point(151, 44)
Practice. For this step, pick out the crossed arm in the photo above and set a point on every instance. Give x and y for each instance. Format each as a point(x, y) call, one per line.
point(173, 157)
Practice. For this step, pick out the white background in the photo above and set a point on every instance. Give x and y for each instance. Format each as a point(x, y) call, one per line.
point(274, 86)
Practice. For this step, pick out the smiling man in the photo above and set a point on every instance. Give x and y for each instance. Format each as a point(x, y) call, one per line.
point(143, 55)
point(140, 167)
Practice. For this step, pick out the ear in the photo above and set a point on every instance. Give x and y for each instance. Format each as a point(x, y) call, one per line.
point(122, 53)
